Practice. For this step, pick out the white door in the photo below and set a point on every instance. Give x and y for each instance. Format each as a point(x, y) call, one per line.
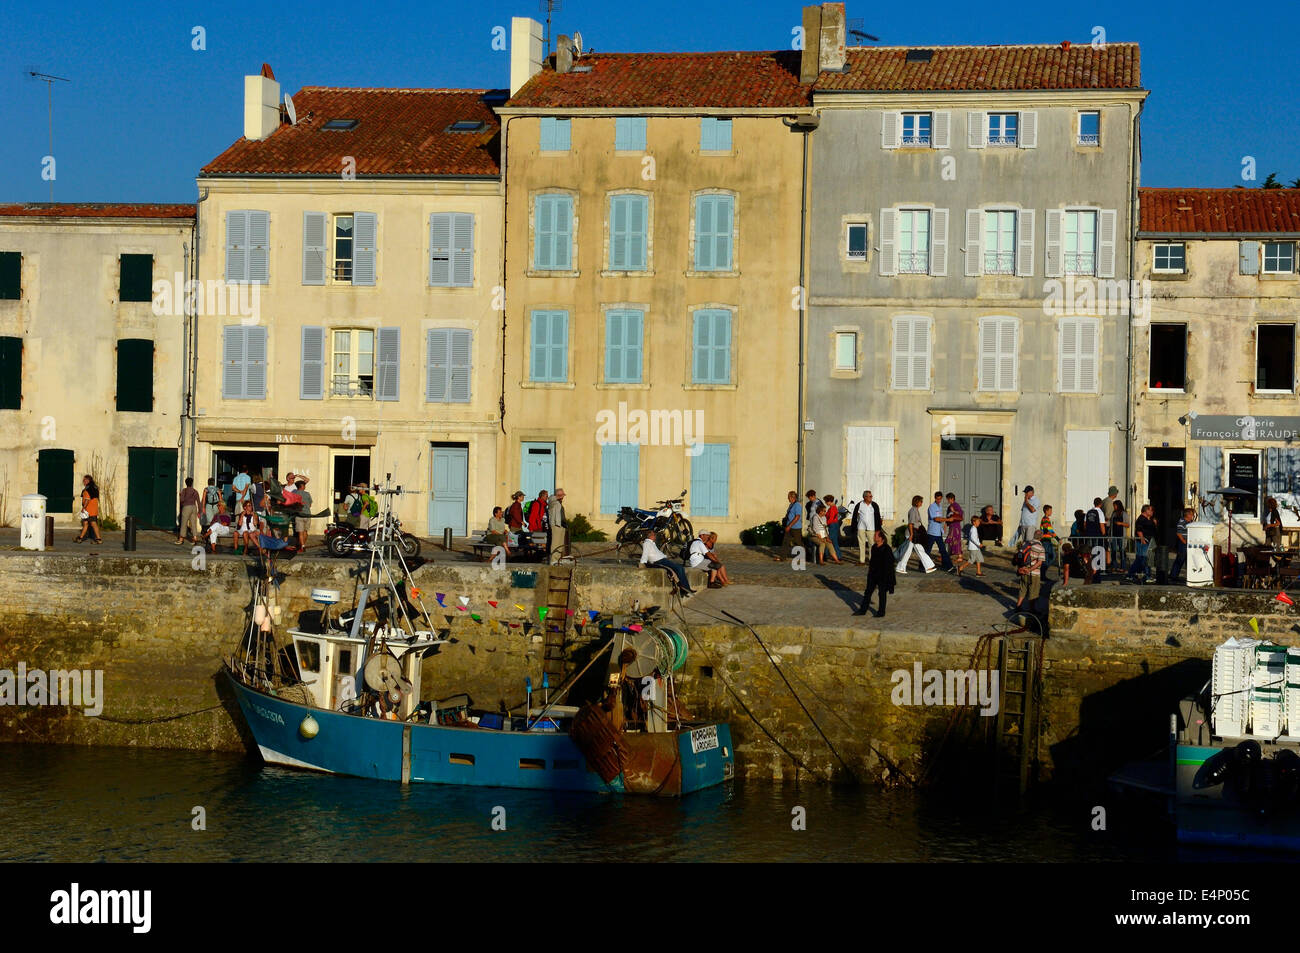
point(869, 465)
point(1087, 472)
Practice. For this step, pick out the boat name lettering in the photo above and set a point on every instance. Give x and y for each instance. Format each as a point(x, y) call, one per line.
point(704, 739)
point(268, 715)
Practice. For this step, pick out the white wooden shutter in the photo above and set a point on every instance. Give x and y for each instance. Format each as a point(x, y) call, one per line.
point(1087, 467)
point(259, 247)
point(888, 241)
point(312, 382)
point(440, 249)
point(869, 465)
point(388, 361)
point(1088, 355)
point(901, 371)
point(940, 134)
point(1052, 244)
point(988, 373)
point(1027, 131)
point(1068, 355)
point(437, 364)
point(232, 362)
point(1025, 242)
point(315, 242)
point(236, 246)
point(1008, 346)
point(921, 353)
point(255, 363)
point(911, 354)
point(1078, 355)
point(974, 233)
point(365, 227)
point(939, 242)
point(458, 391)
point(1106, 243)
point(976, 129)
point(891, 129)
point(462, 250)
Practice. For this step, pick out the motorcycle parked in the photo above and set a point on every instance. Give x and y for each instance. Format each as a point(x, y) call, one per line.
point(667, 519)
point(343, 539)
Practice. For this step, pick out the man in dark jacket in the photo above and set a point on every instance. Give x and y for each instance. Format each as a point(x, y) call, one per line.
point(866, 520)
point(880, 574)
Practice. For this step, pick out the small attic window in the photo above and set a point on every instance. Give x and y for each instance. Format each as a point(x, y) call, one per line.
point(466, 125)
point(919, 56)
point(340, 124)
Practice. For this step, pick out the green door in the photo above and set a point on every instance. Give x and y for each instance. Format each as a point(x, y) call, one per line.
point(55, 480)
point(151, 486)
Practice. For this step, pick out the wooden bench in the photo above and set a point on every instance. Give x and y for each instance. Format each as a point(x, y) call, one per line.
point(482, 550)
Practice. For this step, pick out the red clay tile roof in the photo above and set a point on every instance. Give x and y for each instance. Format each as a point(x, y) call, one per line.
point(1219, 211)
point(399, 132)
point(736, 80)
point(886, 69)
point(96, 210)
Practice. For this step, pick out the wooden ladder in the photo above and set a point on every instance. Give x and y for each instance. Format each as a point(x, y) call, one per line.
point(559, 586)
point(1016, 733)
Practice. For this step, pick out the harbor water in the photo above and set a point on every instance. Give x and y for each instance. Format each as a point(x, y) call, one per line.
point(64, 803)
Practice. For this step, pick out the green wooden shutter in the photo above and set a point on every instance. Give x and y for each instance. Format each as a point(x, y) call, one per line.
point(11, 373)
point(135, 278)
point(11, 275)
point(54, 480)
point(135, 375)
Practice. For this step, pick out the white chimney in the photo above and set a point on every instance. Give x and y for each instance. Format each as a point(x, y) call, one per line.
point(261, 105)
point(525, 51)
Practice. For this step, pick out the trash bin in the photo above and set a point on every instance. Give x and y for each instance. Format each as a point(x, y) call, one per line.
point(33, 522)
point(1200, 544)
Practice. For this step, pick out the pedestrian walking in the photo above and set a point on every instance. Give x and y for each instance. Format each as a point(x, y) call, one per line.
point(302, 521)
point(557, 533)
point(1180, 533)
point(89, 509)
point(880, 574)
point(189, 521)
point(866, 520)
point(954, 518)
point(976, 544)
point(211, 497)
point(1049, 539)
point(1030, 514)
point(514, 515)
point(1030, 570)
point(792, 525)
point(912, 542)
point(833, 517)
point(1144, 534)
point(934, 530)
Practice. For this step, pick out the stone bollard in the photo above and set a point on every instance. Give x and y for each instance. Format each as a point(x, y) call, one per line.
point(128, 534)
point(49, 532)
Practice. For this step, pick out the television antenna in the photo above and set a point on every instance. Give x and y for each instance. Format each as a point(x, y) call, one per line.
point(857, 28)
point(548, 7)
point(288, 108)
point(49, 81)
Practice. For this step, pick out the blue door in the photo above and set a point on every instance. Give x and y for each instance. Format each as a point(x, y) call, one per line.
point(536, 469)
point(450, 490)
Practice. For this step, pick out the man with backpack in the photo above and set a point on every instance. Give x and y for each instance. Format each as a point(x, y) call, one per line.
point(1028, 562)
point(537, 519)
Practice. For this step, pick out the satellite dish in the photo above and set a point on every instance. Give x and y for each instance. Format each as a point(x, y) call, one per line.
point(577, 44)
point(288, 107)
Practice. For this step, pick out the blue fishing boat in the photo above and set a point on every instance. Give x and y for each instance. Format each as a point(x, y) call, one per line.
point(343, 697)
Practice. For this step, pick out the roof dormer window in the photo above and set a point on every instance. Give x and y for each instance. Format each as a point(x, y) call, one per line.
point(340, 125)
point(466, 125)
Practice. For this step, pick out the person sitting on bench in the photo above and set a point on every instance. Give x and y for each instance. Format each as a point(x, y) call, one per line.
point(653, 556)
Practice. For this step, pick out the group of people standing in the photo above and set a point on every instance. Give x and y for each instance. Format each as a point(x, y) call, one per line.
point(210, 515)
point(512, 527)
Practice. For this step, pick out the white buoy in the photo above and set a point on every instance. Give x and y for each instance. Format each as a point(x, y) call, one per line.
point(309, 728)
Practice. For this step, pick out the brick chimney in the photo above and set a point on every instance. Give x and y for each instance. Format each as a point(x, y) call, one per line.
point(824, 41)
point(261, 105)
point(525, 51)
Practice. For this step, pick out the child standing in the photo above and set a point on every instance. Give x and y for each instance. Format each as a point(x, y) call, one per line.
point(1049, 538)
point(976, 545)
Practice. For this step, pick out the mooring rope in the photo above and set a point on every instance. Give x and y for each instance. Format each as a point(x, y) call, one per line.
point(157, 720)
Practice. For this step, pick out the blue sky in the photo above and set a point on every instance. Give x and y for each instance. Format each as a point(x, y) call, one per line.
point(144, 111)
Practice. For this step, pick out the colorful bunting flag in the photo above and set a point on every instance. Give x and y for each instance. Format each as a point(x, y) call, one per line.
point(440, 596)
point(464, 600)
point(541, 611)
point(634, 627)
point(1254, 624)
point(591, 614)
point(476, 617)
point(492, 603)
point(520, 608)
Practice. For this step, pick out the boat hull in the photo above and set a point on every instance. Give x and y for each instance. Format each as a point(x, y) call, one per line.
point(1217, 816)
point(666, 764)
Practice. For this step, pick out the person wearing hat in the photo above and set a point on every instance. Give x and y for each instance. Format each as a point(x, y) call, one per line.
point(702, 556)
point(1030, 518)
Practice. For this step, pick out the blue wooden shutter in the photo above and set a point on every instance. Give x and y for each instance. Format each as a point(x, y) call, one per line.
point(259, 247)
point(710, 480)
point(365, 235)
point(619, 467)
point(550, 339)
point(388, 360)
point(618, 232)
point(700, 351)
point(559, 345)
point(236, 246)
point(440, 249)
point(722, 217)
point(315, 245)
point(552, 232)
point(712, 357)
point(438, 365)
point(255, 363)
point(704, 216)
point(554, 134)
point(539, 364)
point(629, 134)
point(715, 135)
point(462, 250)
point(312, 386)
point(562, 247)
point(1210, 477)
point(458, 391)
point(232, 362)
point(623, 329)
point(638, 222)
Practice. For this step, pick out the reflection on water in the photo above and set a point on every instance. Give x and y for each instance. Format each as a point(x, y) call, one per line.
point(86, 804)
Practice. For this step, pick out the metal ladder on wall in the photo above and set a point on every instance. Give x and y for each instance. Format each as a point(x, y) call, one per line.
point(1015, 739)
point(559, 588)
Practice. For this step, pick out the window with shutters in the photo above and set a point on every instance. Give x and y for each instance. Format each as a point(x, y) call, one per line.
point(1089, 128)
point(352, 363)
point(624, 328)
point(913, 241)
point(135, 278)
point(629, 134)
point(243, 362)
point(1279, 258)
point(620, 465)
point(846, 350)
point(856, 241)
point(11, 373)
point(554, 134)
point(916, 129)
point(1170, 258)
point(553, 229)
point(1079, 242)
point(714, 231)
point(1275, 358)
point(710, 489)
point(1002, 129)
point(999, 242)
point(11, 275)
point(1077, 355)
point(999, 354)
point(715, 135)
point(135, 375)
point(448, 373)
point(711, 346)
point(451, 250)
point(629, 229)
point(248, 246)
point(911, 353)
point(549, 350)
point(1168, 359)
point(342, 269)
point(353, 241)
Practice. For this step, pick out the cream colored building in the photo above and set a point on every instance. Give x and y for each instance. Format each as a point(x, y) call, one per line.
point(1216, 398)
point(92, 375)
point(652, 262)
point(366, 224)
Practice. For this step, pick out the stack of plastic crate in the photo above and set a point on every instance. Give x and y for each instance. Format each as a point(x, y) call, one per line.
point(1291, 693)
point(1266, 700)
point(1230, 685)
